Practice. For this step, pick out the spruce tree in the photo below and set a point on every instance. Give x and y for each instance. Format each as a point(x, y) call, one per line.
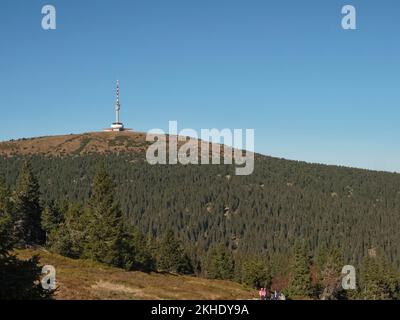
point(19, 279)
point(136, 252)
point(329, 276)
point(221, 264)
point(5, 203)
point(27, 208)
point(68, 238)
point(51, 218)
point(172, 257)
point(105, 225)
point(378, 280)
point(255, 274)
point(6, 225)
point(300, 281)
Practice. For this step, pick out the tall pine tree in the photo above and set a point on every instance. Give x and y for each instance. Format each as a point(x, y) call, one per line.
point(51, 218)
point(19, 279)
point(220, 263)
point(378, 279)
point(255, 273)
point(329, 267)
point(69, 237)
point(105, 226)
point(300, 282)
point(172, 257)
point(6, 226)
point(27, 209)
point(136, 252)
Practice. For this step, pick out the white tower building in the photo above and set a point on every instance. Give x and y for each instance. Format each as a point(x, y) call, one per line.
point(117, 125)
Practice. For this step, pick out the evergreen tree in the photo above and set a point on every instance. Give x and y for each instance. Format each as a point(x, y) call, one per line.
point(221, 264)
point(105, 228)
point(6, 226)
point(18, 278)
point(136, 253)
point(27, 208)
point(5, 203)
point(300, 281)
point(51, 218)
point(378, 280)
point(69, 237)
point(255, 274)
point(172, 257)
point(320, 260)
point(318, 204)
point(329, 275)
point(6, 236)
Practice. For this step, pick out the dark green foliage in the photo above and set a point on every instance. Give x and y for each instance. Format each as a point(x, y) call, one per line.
point(220, 263)
point(172, 257)
point(136, 253)
point(51, 218)
point(27, 209)
point(255, 274)
point(300, 281)
point(69, 237)
point(6, 235)
point(6, 223)
point(18, 279)
point(378, 280)
point(329, 264)
point(5, 203)
point(260, 215)
point(98, 230)
point(267, 211)
point(105, 225)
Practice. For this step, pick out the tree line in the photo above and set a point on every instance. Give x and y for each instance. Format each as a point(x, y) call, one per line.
point(204, 222)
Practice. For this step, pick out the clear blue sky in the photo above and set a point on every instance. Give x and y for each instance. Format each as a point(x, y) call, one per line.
point(311, 90)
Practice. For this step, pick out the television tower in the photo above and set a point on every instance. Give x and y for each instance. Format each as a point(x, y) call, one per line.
point(117, 105)
point(117, 125)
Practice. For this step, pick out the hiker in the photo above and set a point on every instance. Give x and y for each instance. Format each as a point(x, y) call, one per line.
point(261, 294)
point(267, 294)
point(282, 296)
point(275, 295)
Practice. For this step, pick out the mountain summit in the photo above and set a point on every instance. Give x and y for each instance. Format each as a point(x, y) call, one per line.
point(77, 144)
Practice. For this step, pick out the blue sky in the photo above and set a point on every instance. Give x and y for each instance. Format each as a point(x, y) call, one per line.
point(311, 90)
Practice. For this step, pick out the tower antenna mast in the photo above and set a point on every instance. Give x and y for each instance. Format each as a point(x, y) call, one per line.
point(117, 125)
point(117, 105)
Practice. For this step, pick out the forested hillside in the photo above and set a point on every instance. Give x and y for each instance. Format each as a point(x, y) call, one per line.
point(290, 225)
point(261, 214)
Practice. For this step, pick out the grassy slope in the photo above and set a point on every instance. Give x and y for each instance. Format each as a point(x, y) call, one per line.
point(74, 144)
point(81, 279)
point(86, 143)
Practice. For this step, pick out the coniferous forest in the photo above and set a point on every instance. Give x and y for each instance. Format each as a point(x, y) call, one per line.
point(289, 220)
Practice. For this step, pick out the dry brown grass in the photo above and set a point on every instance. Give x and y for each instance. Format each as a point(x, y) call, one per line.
point(94, 142)
point(83, 280)
point(76, 144)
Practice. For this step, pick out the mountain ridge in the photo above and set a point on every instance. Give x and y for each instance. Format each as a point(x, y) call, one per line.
point(261, 214)
point(111, 142)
